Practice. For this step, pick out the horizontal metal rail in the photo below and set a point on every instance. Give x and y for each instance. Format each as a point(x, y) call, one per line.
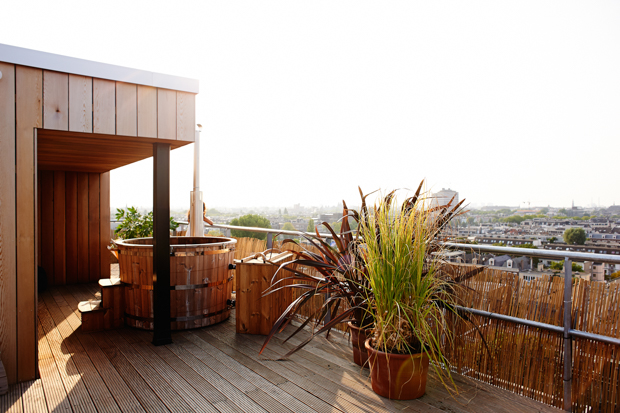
point(541, 253)
point(543, 326)
point(528, 252)
point(265, 230)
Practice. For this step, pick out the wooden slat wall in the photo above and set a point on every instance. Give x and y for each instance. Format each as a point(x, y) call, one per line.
point(104, 224)
point(33, 98)
point(147, 111)
point(186, 116)
point(59, 229)
point(8, 242)
point(82, 227)
point(55, 100)
point(71, 226)
point(166, 114)
point(80, 103)
point(126, 109)
point(75, 227)
point(93, 226)
point(28, 115)
point(104, 106)
point(46, 182)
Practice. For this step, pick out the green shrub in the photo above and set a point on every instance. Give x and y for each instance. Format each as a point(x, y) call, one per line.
point(136, 225)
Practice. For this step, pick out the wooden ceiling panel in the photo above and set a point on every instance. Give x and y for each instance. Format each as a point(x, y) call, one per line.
point(90, 152)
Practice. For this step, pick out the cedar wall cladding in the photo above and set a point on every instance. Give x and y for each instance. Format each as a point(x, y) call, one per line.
point(73, 226)
point(60, 218)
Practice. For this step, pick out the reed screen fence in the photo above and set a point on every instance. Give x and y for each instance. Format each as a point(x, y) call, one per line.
point(528, 360)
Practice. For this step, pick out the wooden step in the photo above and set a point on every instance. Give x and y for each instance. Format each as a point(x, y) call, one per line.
point(92, 315)
point(109, 282)
point(90, 306)
point(113, 300)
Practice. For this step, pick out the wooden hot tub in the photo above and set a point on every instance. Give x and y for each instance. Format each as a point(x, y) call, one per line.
point(200, 280)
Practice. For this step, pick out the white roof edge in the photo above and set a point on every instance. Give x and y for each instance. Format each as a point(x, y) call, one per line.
point(66, 64)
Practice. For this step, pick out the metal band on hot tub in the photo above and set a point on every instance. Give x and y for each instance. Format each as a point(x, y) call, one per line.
point(182, 287)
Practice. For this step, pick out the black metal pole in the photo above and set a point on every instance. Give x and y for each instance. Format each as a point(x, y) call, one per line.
point(161, 244)
point(568, 342)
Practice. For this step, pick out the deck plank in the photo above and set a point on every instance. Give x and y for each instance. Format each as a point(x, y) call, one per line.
point(248, 366)
point(125, 399)
point(334, 381)
point(335, 395)
point(12, 401)
point(76, 389)
point(193, 397)
point(55, 392)
point(235, 395)
point(254, 378)
point(157, 383)
point(33, 396)
point(96, 388)
point(209, 392)
point(142, 391)
point(214, 370)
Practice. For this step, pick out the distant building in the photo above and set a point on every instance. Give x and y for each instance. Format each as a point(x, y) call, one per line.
point(444, 196)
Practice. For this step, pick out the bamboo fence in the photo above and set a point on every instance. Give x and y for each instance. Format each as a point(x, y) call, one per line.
point(527, 360)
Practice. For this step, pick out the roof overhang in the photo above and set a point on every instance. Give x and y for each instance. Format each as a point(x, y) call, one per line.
point(91, 152)
point(66, 64)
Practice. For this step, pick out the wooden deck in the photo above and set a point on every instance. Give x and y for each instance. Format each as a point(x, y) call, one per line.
point(211, 370)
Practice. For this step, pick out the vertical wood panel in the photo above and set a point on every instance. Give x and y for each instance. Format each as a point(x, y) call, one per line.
point(126, 109)
point(8, 326)
point(55, 100)
point(166, 114)
point(29, 114)
point(47, 223)
point(186, 116)
point(38, 220)
point(59, 228)
point(104, 106)
point(147, 111)
point(93, 227)
point(71, 217)
point(82, 227)
point(80, 103)
point(104, 227)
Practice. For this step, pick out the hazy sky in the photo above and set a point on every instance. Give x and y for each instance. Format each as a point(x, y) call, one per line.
point(301, 102)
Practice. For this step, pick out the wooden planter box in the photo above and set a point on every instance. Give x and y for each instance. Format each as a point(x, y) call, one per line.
point(257, 314)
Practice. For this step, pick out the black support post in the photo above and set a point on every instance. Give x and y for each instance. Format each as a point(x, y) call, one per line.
point(161, 244)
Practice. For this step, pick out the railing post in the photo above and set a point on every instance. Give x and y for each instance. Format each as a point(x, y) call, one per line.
point(269, 241)
point(568, 345)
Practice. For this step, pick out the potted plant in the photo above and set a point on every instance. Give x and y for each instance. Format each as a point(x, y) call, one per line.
point(335, 271)
point(411, 294)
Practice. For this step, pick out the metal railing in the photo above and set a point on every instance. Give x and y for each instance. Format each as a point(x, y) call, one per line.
point(566, 330)
point(269, 231)
point(568, 256)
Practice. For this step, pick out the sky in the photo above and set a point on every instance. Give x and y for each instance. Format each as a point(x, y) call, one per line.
point(508, 103)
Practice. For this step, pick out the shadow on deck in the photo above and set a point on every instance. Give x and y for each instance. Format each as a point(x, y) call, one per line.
point(212, 370)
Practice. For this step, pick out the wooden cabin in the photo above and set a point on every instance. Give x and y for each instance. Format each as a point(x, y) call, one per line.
point(64, 124)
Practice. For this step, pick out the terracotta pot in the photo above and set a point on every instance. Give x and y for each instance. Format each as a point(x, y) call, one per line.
point(397, 376)
point(358, 340)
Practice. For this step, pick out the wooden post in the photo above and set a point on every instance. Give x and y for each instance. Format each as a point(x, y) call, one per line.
point(161, 244)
